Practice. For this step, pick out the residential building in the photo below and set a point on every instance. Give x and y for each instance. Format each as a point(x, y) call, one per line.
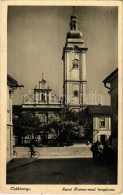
point(100, 117)
point(111, 83)
point(12, 84)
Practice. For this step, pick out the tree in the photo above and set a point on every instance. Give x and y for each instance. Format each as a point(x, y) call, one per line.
point(65, 123)
point(54, 123)
point(68, 122)
point(66, 114)
point(24, 124)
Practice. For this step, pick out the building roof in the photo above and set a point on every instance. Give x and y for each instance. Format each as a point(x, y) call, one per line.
point(99, 109)
point(11, 82)
point(109, 78)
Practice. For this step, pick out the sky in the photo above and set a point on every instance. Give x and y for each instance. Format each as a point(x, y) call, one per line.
point(36, 36)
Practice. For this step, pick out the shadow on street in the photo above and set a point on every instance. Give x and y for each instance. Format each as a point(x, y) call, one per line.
point(61, 171)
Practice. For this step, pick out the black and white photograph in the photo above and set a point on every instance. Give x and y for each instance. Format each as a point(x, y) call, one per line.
point(62, 97)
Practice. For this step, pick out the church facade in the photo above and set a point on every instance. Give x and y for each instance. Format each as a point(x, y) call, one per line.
point(41, 103)
point(74, 62)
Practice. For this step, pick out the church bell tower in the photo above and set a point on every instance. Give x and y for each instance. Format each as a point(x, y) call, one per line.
point(74, 62)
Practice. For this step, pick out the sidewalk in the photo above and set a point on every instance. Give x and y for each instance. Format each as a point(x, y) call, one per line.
point(57, 152)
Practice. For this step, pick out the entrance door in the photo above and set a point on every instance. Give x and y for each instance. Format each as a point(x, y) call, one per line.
point(102, 139)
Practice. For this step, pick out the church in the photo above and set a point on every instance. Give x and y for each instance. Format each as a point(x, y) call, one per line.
point(42, 102)
point(74, 63)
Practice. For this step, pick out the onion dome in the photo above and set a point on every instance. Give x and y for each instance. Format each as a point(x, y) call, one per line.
point(74, 33)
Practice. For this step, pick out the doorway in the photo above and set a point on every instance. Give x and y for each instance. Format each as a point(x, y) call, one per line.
point(102, 139)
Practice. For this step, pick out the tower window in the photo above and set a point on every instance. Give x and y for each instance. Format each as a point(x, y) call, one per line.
point(76, 93)
point(75, 63)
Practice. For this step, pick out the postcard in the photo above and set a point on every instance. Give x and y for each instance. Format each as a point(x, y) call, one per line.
point(61, 97)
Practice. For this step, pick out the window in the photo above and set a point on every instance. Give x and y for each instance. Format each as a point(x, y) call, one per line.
point(43, 97)
point(75, 93)
point(42, 117)
point(30, 135)
point(102, 122)
point(75, 63)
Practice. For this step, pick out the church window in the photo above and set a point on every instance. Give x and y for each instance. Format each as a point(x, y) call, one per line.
point(43, 97)
point(75, 93)
point(43, 118)
point(75, 63)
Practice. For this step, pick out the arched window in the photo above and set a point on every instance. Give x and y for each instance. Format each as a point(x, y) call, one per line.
point(75, 63)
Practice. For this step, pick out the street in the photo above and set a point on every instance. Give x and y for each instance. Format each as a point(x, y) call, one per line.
point(60, 170)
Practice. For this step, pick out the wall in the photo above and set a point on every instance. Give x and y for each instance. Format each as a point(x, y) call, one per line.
point(98, 131)
point(9, 126)
point(114, 117)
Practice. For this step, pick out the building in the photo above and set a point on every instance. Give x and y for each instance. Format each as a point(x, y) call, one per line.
point(100, 118)
point(12, 84)
point(41, 103)
point(111, 83)
point(74, 62)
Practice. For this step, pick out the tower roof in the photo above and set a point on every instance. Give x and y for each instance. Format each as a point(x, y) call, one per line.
point(74, 32)
point(74, 40)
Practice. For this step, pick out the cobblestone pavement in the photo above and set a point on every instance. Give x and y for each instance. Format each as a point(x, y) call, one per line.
point(77, 151)
point(60, 171)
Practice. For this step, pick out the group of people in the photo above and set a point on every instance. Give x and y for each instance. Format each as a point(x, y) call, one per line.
point(101, 153)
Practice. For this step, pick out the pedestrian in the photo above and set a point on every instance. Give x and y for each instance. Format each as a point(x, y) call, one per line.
point(107, 154)
point(95, 151)
point(31, 147)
